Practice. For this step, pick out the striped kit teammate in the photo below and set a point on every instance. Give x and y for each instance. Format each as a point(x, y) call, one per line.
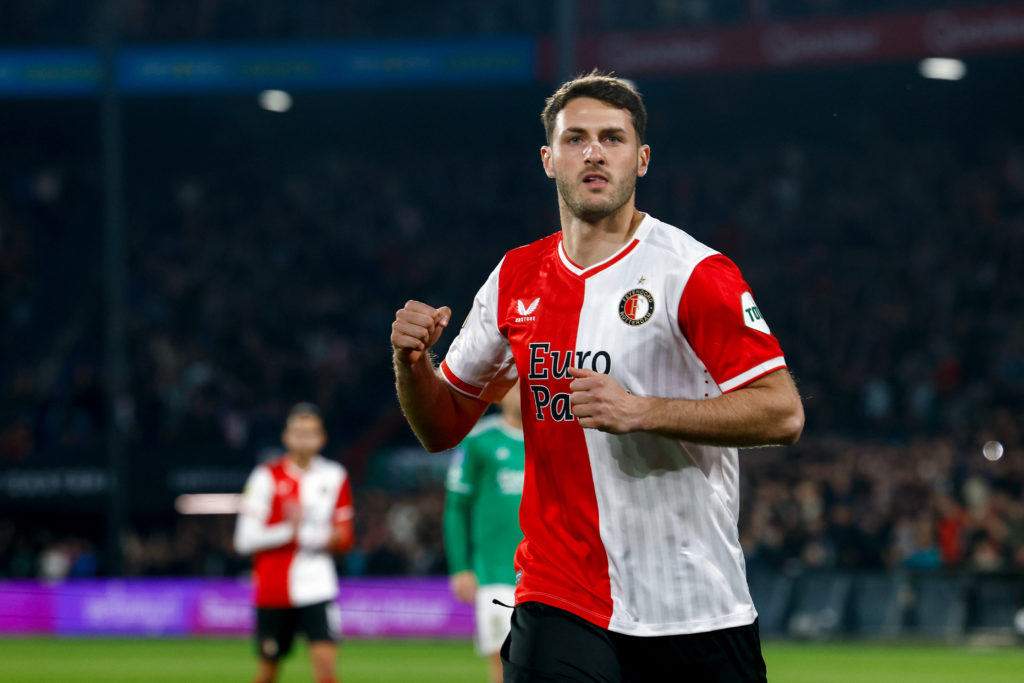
point(296, 511)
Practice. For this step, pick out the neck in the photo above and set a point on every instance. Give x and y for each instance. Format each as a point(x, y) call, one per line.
point(589, 243)
point(300, 460)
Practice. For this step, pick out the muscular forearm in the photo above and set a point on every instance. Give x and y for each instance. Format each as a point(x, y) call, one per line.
point(744, 418)
point(437, 417)
point(765, 412)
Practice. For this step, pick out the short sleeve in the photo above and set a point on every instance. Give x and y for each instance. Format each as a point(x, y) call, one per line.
point(724, 326)
point(479, 362)
point(343, 507)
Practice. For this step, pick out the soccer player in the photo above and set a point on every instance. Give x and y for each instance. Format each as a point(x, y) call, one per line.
point(644, 364)
point(296, 511)
point(481, 523)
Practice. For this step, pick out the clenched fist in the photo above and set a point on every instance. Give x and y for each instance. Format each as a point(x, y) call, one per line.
point(416, 328)
point(599, 402)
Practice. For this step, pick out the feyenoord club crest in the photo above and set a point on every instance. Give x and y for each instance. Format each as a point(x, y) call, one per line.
point(636, 307)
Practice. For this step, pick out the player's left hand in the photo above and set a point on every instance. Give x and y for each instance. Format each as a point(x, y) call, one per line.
point(341, 538)
point(463, 585)
point(599, 402)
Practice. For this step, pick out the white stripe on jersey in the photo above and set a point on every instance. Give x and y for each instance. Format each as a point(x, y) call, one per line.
point(675, 565)
point(754, 372)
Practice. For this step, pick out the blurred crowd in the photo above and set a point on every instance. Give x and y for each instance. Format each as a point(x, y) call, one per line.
point(842, 505)
point(829, 503)
point(397, 533)
point(256, 282)
point(77, 21)
point(265, 263)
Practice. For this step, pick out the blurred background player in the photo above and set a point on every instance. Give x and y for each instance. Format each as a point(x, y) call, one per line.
point(296, 511)
point(481, 522)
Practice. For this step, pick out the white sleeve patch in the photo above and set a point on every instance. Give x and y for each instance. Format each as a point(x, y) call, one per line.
point(752, 315)
point(752, 374)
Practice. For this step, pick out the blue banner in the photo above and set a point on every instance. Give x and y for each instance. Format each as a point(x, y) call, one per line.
point(49, 73)
point(245, 68)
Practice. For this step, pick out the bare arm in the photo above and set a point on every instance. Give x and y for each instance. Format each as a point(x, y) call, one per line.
point(252, 533)
point(439, 415)
point(765, 412)
point(342, 537)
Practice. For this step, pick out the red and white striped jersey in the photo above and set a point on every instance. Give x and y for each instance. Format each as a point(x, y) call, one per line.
point(293, 567)
point(635, 533)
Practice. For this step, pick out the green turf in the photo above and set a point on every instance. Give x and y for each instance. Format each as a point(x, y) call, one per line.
point(197, 661)
point(893, 663)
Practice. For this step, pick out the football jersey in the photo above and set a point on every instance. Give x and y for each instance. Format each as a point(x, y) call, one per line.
point(484, 486)
point(293, 569)
point(636, 533)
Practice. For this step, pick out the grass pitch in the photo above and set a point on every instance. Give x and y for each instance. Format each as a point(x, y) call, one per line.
point(25, 660)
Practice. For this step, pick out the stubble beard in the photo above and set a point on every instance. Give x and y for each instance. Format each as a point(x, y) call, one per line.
point(590, 211)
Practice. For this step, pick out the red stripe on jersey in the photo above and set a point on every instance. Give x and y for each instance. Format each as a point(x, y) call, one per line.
point(271, 567)
point(711, 317)
point(344, 502)
point(464, 387)
point(561, 559)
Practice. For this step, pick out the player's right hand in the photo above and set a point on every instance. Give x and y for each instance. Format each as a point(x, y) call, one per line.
point(463, 586)
point(416, 328)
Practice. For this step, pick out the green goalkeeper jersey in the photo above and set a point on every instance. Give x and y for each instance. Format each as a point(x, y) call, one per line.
point(481, 516)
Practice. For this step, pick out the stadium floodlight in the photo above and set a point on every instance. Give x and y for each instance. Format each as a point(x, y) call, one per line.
point(208, 503)
point(942, 69)
point(275, 100)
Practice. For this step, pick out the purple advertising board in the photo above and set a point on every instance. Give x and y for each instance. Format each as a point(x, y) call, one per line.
point(26, 607)
point(376, 608)
point(409, 608)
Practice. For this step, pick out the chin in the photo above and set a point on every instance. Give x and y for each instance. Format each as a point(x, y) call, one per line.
point(593, 212)
point(592, 216)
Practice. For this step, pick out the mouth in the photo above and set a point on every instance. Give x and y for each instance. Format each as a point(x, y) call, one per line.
point(595, 180)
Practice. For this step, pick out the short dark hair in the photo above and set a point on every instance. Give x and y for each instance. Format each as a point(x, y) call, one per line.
point(602, 86)
point(304, 410)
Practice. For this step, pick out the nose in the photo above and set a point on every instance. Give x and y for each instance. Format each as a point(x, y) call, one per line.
point(593, 153)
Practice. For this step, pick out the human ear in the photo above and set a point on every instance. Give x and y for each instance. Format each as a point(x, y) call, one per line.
point(545, 157)
point(643, 161)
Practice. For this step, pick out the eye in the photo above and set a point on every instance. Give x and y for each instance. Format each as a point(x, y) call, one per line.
point(574, 139)
point(613, 138)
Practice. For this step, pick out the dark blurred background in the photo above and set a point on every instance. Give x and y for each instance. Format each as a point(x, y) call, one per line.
point(179, 264)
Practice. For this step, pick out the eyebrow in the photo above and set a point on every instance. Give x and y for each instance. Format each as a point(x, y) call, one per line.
point(603, 131)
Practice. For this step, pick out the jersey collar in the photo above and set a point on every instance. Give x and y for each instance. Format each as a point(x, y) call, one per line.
point(641, 232)
point(294, 470)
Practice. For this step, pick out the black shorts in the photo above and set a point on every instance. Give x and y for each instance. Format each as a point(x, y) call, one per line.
point(276, 627)
point(550, 644)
